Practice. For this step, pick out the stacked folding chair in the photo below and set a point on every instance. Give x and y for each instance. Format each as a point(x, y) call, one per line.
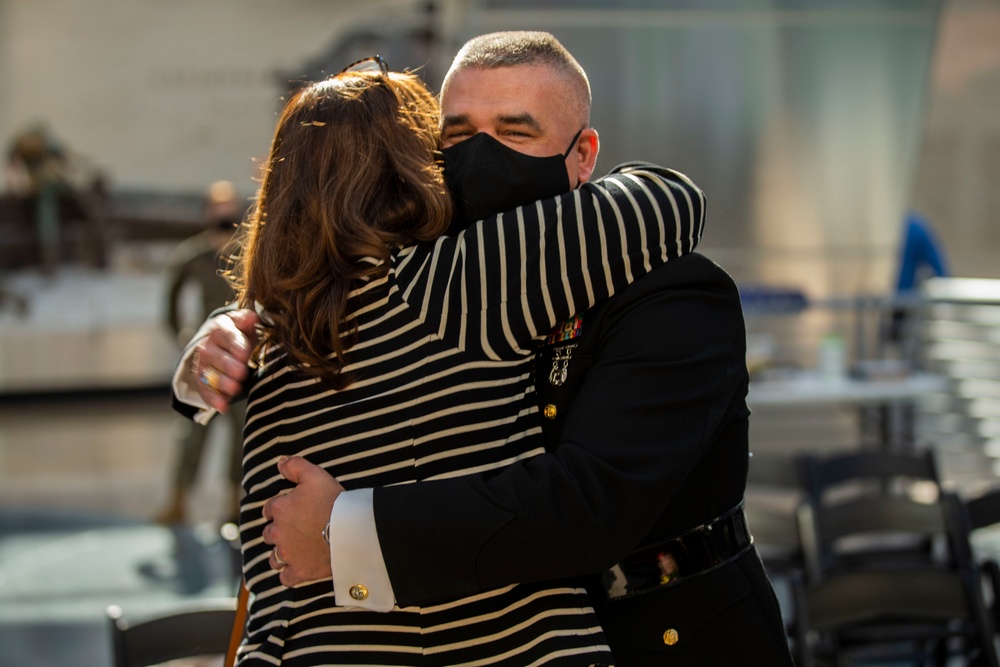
point(888, 572)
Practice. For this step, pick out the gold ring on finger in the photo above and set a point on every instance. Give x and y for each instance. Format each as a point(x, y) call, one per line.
point(210, 378)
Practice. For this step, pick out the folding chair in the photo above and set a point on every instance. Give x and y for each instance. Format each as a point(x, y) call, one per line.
point(887, 577)
point(982, 512)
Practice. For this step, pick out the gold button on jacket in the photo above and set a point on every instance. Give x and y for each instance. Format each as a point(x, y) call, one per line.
point(359, 592)
point(670, 637)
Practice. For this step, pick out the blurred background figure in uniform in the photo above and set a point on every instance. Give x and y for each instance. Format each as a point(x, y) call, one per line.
point(38, 171)
point(197, 263)
point(59, 195)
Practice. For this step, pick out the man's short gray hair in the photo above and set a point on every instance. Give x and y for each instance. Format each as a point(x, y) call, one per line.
point(523, 47)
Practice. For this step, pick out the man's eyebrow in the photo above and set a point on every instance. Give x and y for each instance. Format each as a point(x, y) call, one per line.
point(523, 119)
point(452, 121)
point(516, 120)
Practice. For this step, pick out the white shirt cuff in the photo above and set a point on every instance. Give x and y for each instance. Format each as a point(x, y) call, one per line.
point(360, 578)
point(186, 392)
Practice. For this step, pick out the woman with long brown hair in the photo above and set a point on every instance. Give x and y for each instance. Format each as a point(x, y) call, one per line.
point(390, 354)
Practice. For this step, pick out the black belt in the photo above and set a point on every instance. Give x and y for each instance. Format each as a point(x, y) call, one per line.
point(699, 550)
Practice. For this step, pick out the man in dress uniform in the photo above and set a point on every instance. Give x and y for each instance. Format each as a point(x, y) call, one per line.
point(641, 488)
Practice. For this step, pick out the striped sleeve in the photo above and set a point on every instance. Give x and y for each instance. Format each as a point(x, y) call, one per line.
point(504, 282)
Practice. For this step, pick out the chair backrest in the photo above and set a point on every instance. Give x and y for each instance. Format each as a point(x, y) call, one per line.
point(196, 629)
point(866, 498)
point(820, 475)
point(984, 509)
point(871, 531)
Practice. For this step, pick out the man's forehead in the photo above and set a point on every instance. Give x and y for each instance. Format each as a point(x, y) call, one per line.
point(510, 91)
point(483, 101)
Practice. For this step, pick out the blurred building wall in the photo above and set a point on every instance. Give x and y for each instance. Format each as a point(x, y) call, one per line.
point(957, 182)
point(806, 121)
point(800, 119)
point(163, 95)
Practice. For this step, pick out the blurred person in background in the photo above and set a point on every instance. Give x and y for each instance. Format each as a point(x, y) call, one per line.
point(921, 257)
point(38, 171)
point(197, 264)
point(57, 187)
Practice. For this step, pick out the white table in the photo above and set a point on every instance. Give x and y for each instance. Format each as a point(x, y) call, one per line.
point(885, 405)
point(810, 388)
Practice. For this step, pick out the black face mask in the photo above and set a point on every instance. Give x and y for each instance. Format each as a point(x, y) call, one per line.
point(486, 177)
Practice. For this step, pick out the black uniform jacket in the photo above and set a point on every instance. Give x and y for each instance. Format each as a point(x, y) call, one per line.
point(647, 438)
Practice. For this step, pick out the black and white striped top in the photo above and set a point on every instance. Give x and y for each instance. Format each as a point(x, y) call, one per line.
point(443, 387)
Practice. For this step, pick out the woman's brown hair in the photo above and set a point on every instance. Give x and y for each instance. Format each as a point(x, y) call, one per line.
point(352, 173)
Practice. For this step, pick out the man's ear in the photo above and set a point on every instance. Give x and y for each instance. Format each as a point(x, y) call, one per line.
point(587, 146)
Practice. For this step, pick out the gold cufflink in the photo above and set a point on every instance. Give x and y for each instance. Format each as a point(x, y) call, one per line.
point(359, 592)
point(549, 411)
point(670, 637)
